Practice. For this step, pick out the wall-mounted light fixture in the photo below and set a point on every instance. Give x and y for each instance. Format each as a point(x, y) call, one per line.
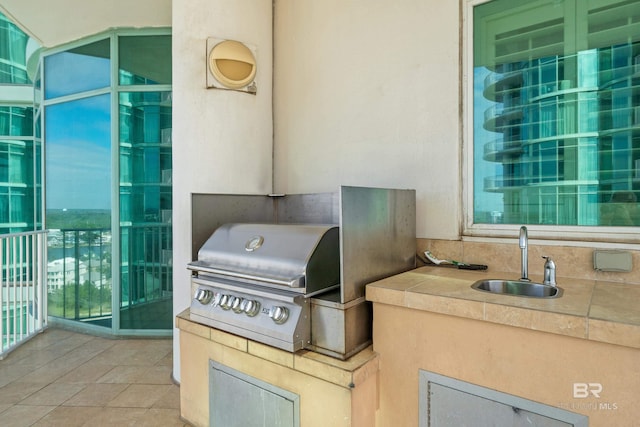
point(231, 65)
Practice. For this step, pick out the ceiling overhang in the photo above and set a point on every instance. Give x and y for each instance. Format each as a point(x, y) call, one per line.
point(56, 22)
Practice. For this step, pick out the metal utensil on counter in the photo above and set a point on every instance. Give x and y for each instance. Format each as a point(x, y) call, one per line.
point(432, 259)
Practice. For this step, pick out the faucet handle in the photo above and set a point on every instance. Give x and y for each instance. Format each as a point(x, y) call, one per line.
point(549, 271)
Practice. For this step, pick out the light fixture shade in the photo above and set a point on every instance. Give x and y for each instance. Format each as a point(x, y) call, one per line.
point(230, 65)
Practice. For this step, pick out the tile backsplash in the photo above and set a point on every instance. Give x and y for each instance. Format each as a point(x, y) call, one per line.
point(574, 262)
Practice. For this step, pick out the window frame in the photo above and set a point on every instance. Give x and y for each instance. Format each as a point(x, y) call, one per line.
point(113, 90)
point(606, 234)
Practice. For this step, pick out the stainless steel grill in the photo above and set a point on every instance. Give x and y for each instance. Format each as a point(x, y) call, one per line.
point(268, 269)
point(255, 280)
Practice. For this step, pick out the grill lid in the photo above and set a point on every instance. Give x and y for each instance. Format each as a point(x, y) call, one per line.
point(305, 257)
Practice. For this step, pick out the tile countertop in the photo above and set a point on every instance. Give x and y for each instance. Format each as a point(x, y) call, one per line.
point(593, 310)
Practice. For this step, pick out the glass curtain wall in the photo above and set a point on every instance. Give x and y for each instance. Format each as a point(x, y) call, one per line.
point(17, 151)
point(19, 187)
point(556, 116)
point(145, 183)
point(108, 182)
point(78, 182)
point(13, 52)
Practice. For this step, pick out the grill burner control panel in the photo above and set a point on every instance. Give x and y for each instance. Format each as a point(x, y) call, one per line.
point(238, 304)
point(280, 319)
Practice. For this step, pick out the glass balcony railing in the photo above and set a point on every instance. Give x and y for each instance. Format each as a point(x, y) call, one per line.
point(23, 297)
point(79, 273)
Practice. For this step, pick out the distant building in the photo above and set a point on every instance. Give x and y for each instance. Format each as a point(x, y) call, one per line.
point(65, 270)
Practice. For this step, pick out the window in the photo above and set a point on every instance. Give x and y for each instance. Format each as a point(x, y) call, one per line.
point(107, 138)
point(84, 68)
point(556, 112)
point(13, 60)
point(17, 148)
point(144, 60)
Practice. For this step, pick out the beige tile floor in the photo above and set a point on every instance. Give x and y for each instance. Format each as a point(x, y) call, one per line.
point(63, 378)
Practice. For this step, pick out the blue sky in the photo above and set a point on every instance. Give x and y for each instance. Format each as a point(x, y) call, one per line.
point(78, 154)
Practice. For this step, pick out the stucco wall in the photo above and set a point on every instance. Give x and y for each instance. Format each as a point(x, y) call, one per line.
point(367, 93)
point(222, 140)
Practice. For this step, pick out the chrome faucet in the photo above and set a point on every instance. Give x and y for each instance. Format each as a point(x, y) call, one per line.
point(523, 240)
point(549, 271)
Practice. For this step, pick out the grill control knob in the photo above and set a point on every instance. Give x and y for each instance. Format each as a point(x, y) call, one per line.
point(225, 302)
point(203, 296)
point(279, 314)
point(217, 296)
point(236, 305)
point(250, 307)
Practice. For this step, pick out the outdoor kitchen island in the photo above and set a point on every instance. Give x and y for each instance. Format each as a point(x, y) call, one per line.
point(577, 353)
point(331, 391)
point(278, 332)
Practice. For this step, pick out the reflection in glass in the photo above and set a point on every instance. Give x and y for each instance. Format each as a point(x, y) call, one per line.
point(16, 121)
point(16, 170)
point(78, 70)
point(17, 187)
point(80, 184)
point(144, 60)
point(37, 153)
point(78, 200)
point(556, 116)
point(13, 48)
point(145, 210)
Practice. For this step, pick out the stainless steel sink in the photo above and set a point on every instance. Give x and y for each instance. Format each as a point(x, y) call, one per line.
point(517, 288)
